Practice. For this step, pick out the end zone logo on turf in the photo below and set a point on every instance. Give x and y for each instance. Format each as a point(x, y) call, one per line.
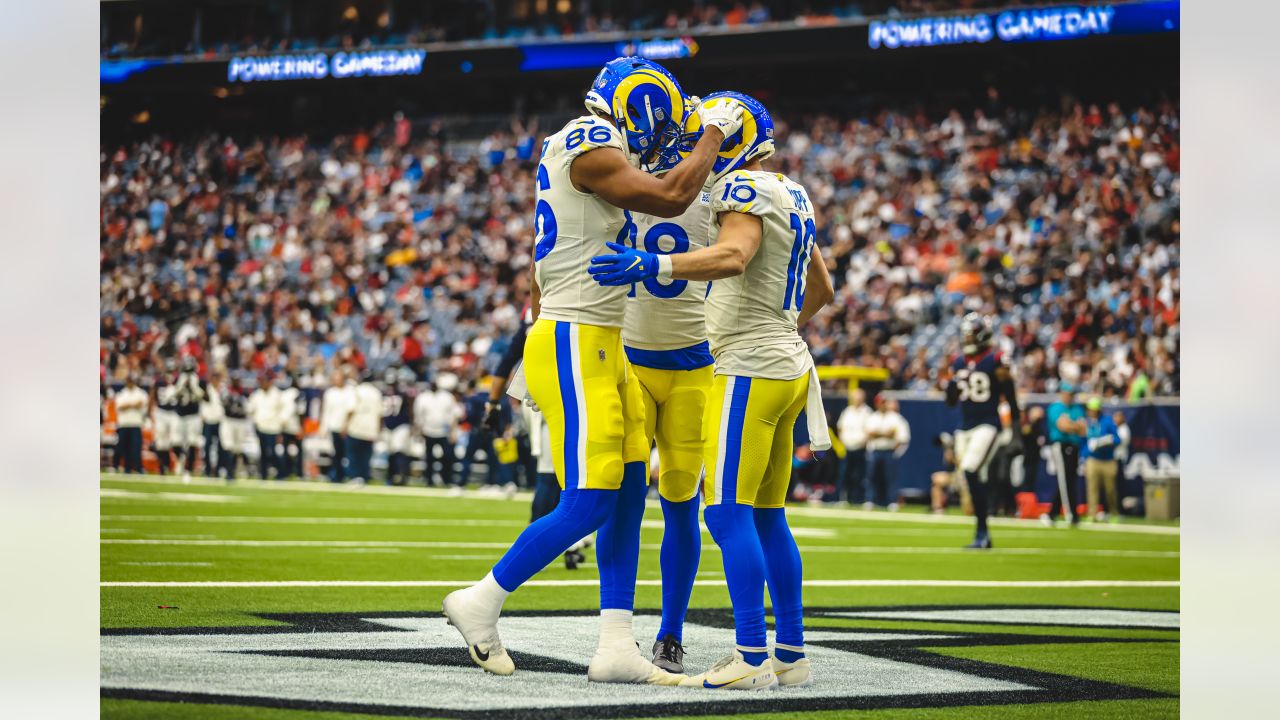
point(413, 664)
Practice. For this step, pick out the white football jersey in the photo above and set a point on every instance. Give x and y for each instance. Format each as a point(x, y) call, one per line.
point(572, 227)
point(669, 315)
point(751, 318)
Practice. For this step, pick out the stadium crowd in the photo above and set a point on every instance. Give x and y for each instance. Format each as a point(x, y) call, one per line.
point(130, 31)
point(403, 247)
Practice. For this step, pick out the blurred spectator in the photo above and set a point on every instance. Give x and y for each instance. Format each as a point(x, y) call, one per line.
point(264, 410)
point(887, 438)
point(363, 424)
point(132, 31)
point(1100, 466)
point(335, 408)
point(1067, 429)
point(211, 413)
point(436, 414)
point(852, 431)
point(131, 409)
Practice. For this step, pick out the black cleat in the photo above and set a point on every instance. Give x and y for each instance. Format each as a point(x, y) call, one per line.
point(981, 542)
point(668, 654)
point(572, 558)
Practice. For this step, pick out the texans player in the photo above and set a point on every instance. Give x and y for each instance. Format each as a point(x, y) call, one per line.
point(397, 422)
point(590, 172)
point(980, 379)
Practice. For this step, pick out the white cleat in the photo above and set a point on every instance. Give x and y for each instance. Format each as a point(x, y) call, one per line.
point(793, 674)
point(734, 673)
point(623, 663)
point(479, 633)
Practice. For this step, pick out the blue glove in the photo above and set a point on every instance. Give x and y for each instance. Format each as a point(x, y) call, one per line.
point(627, 266)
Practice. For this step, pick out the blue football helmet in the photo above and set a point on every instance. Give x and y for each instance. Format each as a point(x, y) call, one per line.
point(754, 141)
point(646, 104)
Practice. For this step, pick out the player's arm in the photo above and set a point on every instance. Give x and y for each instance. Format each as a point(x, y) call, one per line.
point(952, 390)
point(818, 290)
point(606, 172)
point(1007, 387)
point(735, 246)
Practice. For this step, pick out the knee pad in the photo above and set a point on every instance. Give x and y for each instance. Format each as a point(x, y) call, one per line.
point(586, 510)
point(725, 520)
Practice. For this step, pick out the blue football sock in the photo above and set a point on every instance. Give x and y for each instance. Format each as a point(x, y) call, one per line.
point(733, 529)
point(785, 575)
point(618, 543)
point(579, 514)
point(681, 550)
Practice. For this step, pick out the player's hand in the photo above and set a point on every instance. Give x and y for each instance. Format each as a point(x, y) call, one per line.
point(492, 416)
point(727, 116)
point(626, 266)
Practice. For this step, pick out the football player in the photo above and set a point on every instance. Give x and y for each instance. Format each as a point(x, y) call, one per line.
point(767, 281)
point(234, 430)
point(397, 422)
point(664, 335)
point(980, 379)
point(590, 172)
point(164, 402)
point(188, 393)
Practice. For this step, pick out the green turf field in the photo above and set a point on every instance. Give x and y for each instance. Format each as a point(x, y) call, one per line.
point(305, 601)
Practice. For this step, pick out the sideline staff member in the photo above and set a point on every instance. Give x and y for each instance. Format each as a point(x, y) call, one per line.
point(1067, 430)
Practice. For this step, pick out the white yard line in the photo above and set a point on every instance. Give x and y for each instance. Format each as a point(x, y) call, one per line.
point(883, 516)
point(656, 583)
point(295, 520)
point(793, 511)
point(305, 486)
point(829, 549)
point(110, 494)
point(167, 564)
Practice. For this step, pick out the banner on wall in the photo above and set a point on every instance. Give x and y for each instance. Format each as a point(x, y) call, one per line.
point(1154, 445)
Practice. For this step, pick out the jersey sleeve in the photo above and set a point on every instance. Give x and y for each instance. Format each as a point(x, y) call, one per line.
point(588, 133)
point(742, 193)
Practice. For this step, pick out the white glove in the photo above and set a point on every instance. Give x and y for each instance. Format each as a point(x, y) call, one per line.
point(725, 115)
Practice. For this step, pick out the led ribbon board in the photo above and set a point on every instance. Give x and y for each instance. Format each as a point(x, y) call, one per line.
point(316, 66)
point(1059, 22)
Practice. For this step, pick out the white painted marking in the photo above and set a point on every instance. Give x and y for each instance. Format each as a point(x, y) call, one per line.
point(889, 550)
point(810, 549)
point(1085, 617)
point(118, 494)
point(294, 520)
point(320, 486)
point(309, 543)
point(793, 511)
point(931, 519)
point(652, 583)
point(167, 564)
point(268, 665)
point(364, 550)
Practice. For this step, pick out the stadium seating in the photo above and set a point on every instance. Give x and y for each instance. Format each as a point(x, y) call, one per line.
point(402, 244)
